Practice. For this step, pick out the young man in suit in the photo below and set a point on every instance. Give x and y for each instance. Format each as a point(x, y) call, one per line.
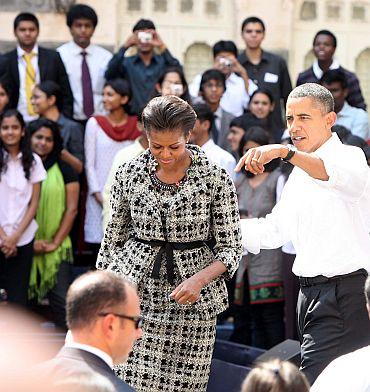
point(103, 316)
point(212, 87)
point(30, 64)
point(85, 62)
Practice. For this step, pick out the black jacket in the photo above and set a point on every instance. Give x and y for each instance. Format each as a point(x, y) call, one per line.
point(51, 68)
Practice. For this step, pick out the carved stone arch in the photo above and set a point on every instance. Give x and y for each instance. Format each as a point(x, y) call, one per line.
point(362, 72)
point(309, 58)
point(198, 58)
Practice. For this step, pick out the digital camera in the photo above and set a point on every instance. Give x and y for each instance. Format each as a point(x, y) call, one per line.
point(226, 63)
point(145, 37)
point(176, 89)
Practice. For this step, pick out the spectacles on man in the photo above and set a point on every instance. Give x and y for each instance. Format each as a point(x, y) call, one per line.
point(138, 320)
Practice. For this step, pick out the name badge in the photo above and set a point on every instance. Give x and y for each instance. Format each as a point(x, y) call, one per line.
point(271, 78)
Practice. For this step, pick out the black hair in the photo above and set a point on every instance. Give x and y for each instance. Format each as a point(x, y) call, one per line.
point(81, 11)
point(91, 294)
point(51, 88)
point(143, 24)
point(354, 140)
point(225, 46)
point(26, 17)
point(366, 150)
point(6, 87)
point(168, 113)
point(24, 145)
point(42, 122)
point(328, 33)
point(333, 76)
point(253, 19)
point(237, 122)
point(212, 74)
point(185, 96)
point(120, 86)
point(263, 91)
point(203, 112)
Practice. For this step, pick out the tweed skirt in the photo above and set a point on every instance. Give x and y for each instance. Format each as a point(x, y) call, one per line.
point(175, 350)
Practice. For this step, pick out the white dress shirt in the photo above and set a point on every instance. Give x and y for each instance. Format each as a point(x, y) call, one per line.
point(355, 120)
point(97, 60)
point(219, 156)
point(349, 372)
point(235, 98)
point(70, 343)
point(22, 65)
point(328, 222)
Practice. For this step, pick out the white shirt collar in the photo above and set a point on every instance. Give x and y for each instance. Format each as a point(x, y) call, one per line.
point(77, 49)
point(209, 143)
point(328, 145)
point(69, 342)
point(319, 72)
point(21, 52)
point(218, 112)
point(233, 78)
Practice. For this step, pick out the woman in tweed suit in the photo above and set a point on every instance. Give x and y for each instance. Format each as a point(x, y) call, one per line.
point(174, 232)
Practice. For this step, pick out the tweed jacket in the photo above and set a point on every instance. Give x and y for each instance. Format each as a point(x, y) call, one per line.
point(204, 207)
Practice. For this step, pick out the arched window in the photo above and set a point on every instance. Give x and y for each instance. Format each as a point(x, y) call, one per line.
point(198, 58)
point(308, 10)
point(362, 71)
point(309, 59)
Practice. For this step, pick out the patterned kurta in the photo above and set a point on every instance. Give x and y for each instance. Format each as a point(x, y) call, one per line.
point(175, 351)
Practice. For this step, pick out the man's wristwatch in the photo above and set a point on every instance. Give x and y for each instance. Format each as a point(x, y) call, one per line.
point(291, 151)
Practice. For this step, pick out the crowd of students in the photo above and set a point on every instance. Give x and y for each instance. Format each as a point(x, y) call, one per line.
point(71, 117)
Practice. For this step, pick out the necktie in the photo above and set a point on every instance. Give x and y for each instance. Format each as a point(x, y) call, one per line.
point(214, 130)
point(30, 80)
point(87, 93)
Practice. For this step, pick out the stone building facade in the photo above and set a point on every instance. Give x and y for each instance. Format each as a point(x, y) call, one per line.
point(190, 27)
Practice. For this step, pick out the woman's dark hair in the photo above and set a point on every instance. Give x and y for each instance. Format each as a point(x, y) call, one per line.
point(81, 11)
point(143, 24)
point(24, 145)
point(168, 113)
point(260, 136)
point(212, 74)
point(51, 88)
point(42, 122)
point(185, 96)
point(238, 122)
point(5, 85)
point(225, 46)
point(263, 91)
point(120, 86)
point(25, 17)
point(329, 34)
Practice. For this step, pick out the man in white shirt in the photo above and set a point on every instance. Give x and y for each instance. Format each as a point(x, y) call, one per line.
point(354, 119)
point(201, 136)
point(239, 87)
point(349, 372)
point(325, 211)
point(103, 316)
point(85, 62)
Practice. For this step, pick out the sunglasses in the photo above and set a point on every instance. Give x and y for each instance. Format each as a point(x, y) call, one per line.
point(138, 320)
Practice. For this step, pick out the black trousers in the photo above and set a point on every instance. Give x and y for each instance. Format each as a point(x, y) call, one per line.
point(15, 274)
point(332, 321)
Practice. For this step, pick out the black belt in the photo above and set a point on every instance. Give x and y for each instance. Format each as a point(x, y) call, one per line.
point(320, 279)
point(167, 248)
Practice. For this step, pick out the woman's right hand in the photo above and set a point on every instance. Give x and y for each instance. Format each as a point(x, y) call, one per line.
point(39, 246)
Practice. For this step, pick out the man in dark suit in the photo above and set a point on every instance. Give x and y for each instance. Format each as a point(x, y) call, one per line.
point(29, 64)
point(103, 316)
